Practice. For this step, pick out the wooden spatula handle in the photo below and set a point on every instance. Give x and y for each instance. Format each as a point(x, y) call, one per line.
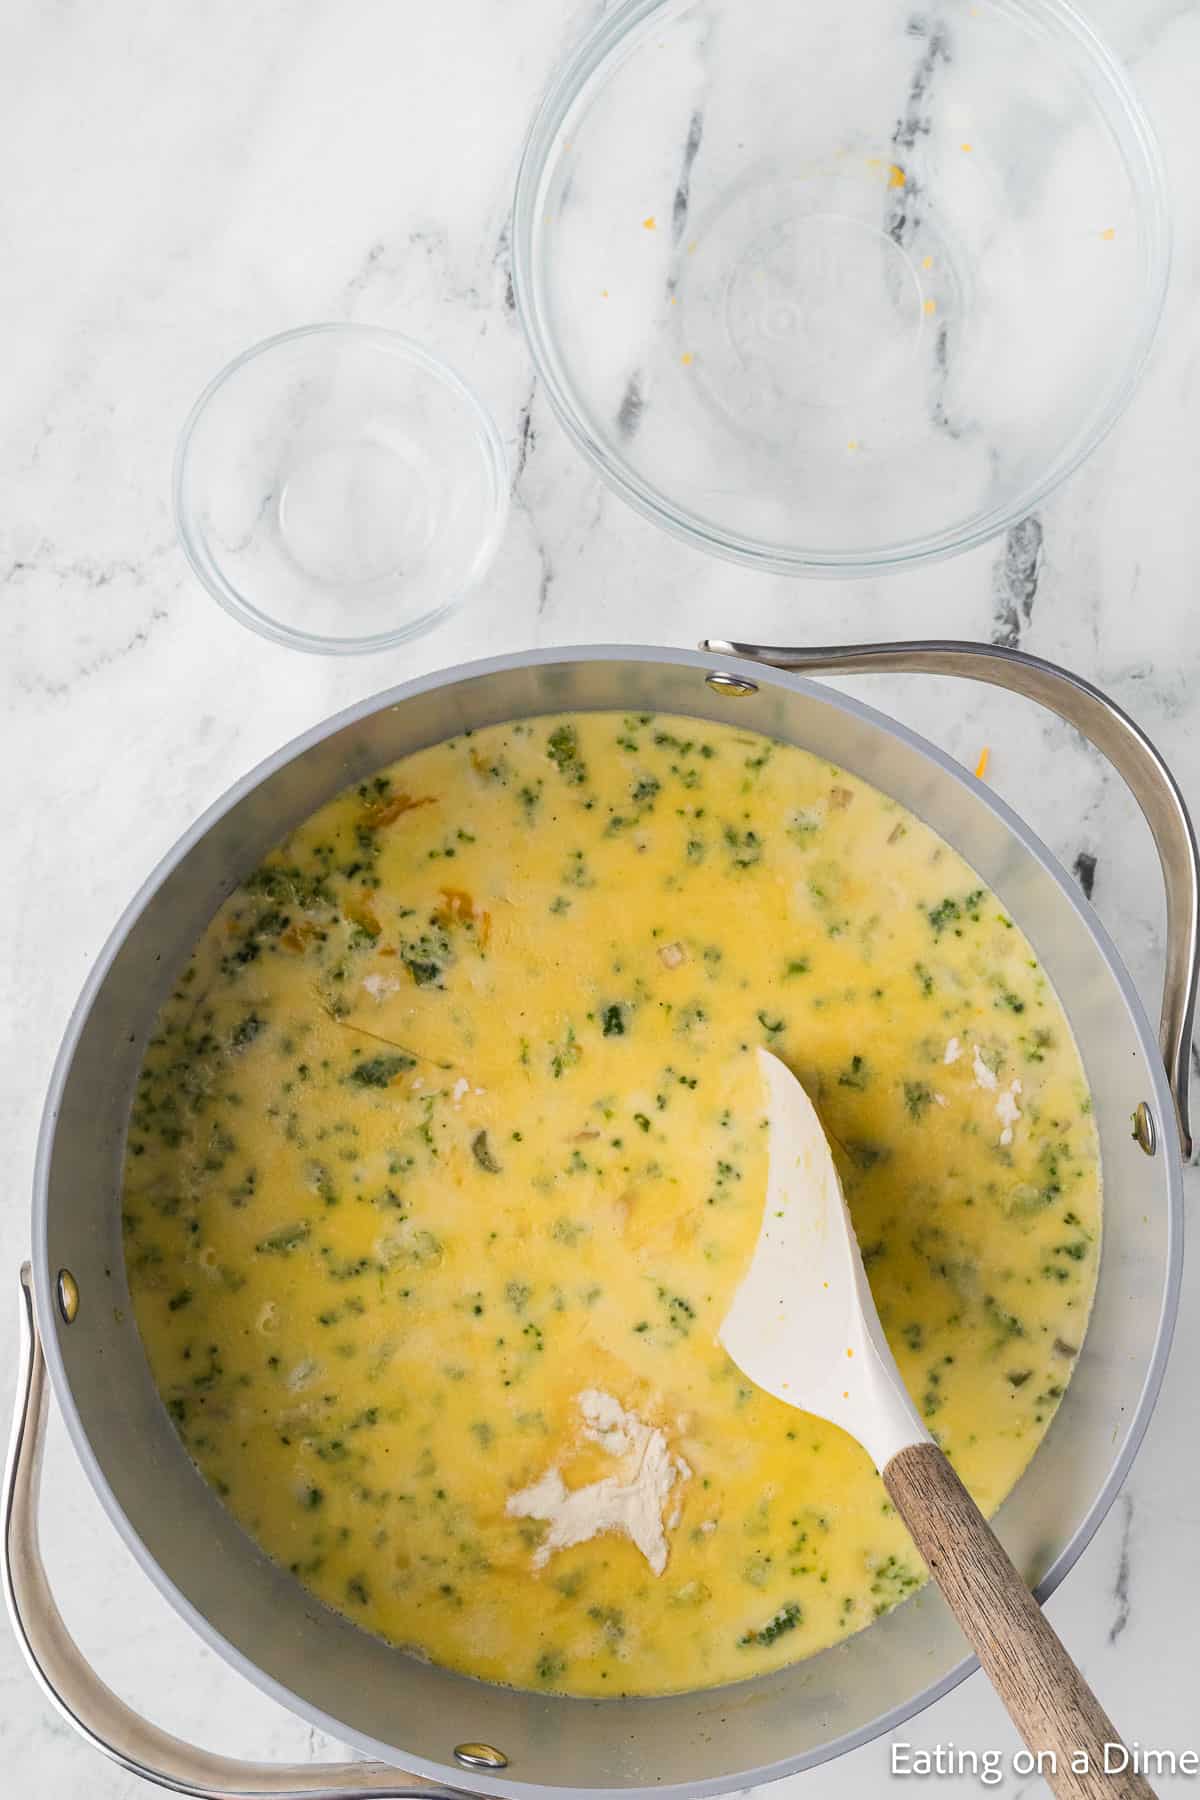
point(1047, 1698)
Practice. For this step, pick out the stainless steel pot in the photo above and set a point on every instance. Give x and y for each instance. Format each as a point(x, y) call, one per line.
point(447, 1729)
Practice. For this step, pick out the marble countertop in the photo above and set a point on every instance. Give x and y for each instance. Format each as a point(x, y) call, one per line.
point(185, 180)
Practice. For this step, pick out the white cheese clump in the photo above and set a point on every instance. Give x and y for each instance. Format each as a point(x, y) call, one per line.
point(631, 1501)
point(953, 1051)
point(380, 985)
point(1008, 1112)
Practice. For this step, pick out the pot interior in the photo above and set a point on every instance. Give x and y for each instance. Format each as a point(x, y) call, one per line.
point(356, 1686)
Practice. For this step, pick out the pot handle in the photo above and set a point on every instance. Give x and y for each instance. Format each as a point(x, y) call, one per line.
point(73, 1686)
point(1115, 735)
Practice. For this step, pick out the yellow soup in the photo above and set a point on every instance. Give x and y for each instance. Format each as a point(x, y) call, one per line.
point(449, 1152)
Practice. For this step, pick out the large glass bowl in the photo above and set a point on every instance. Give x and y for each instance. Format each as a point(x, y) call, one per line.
point(830, 288)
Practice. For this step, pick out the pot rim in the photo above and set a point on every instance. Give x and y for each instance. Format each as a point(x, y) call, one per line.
point(484, 1783)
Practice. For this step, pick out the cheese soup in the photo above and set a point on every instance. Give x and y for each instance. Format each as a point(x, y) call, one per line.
point(449, 1152)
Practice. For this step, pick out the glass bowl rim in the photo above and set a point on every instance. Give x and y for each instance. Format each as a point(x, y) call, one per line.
point(1139, 148)
point(209, 571)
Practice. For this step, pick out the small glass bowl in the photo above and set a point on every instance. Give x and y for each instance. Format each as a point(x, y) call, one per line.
point(338, 489)
point(833, 289)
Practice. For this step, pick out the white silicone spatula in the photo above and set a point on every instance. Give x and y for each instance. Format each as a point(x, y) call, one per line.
point(803, 1325)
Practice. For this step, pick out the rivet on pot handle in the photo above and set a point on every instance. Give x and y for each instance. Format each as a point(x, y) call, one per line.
point(1114, 734)
point(76, 1690)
